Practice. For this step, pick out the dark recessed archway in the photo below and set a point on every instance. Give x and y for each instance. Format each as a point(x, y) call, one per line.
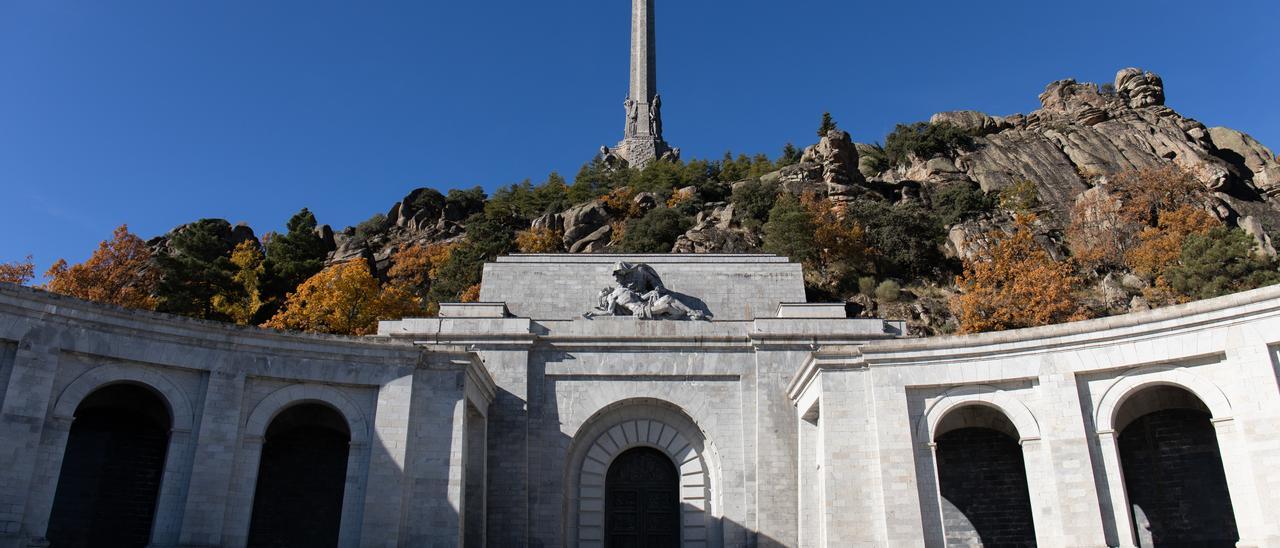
point(111, 470)
point(301, 478)
point(1173, 472)
point(983, 480)
point(642, 500)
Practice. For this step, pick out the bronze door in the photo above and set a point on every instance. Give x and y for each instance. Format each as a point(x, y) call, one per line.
point(642, 506)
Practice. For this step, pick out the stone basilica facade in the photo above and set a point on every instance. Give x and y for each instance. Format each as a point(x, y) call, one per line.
point(698, 402)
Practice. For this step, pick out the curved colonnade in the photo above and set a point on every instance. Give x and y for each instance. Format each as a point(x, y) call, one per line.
point(1066, 427)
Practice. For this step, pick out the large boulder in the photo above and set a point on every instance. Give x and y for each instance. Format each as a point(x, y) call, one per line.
point(1248, 157)
point(584, 222)
point(838, 156)
point(1141, 89)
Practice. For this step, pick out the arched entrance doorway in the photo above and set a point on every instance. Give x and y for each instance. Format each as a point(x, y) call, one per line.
point(301, 478)
point(983, 480)
point(1173, 473)
point(111, 469)
point(642, 500)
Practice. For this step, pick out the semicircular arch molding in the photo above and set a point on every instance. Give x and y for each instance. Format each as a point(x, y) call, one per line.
point(629, 424)
point(297, 394)
point(983, 395)
point(100, 377)
point(1130, 383)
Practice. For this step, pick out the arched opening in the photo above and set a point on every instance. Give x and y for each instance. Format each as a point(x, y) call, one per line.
point(642, 500)
point(111, 470)
point(301, 478)
point(1173, 472)
point(983, 480)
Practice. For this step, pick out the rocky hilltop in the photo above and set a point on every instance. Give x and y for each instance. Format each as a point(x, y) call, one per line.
point(1082, 135)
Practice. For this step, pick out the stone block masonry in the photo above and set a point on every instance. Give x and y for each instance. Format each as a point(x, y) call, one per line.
point(498, 424)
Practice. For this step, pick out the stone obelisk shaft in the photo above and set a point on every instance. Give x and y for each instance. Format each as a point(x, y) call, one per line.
point(644, 58)
point(642, 139)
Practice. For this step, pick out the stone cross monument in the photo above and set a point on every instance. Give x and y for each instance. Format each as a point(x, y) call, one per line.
point(642, 139)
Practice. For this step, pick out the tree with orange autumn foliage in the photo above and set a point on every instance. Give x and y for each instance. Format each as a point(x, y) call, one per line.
point(840, 241)
point(539, 240)
point(1159, 247)
point(17, 272)
point(119, 272)
point(1098, 236)
point(1108, 222)
point(344, 299)
point(244, 304)
point(1016, 284)
point(1145, 193)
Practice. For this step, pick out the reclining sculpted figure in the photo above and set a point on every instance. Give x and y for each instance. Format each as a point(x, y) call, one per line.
point(654, 305)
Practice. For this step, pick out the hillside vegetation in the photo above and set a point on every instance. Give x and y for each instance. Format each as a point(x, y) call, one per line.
point(1103, 201)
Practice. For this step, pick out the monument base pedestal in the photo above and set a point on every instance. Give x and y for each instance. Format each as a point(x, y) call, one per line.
point(642, 151)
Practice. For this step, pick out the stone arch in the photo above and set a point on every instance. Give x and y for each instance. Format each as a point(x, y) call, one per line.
point(249, 458)
point(273, 404)
point(632, 423)
point(983, 395)
point(1132, 382)
point(968, 411)
point(99, 377)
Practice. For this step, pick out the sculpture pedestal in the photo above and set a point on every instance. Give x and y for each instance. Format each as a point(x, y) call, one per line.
point(642, 151)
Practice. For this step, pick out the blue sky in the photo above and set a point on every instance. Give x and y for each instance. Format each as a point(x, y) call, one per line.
point(159, 112)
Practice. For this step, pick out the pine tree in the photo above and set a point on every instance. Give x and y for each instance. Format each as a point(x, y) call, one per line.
point(828, 124)
point(197, 268)
point(291, 258)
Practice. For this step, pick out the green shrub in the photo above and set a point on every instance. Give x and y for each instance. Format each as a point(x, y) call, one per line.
point(960, 202)
point(867, 286)
point(655, 232)
point(753, 200)
point(487, 238)
point(789, 231)
point(1220, 262)
point(907, 238)
point(875, 159)
point(888, 291)
point(369, 228)
point(1020, 197)
point(924, 140)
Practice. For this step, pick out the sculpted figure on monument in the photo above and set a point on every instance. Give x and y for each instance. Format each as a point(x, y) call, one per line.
point(655, 117)
point(611, 158)
point(633, 116)
point(640, 293)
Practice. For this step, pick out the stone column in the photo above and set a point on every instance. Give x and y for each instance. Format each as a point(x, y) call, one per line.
point(854, 507)
point(173, 489)
point(811, 505)
point(776, 452)
point(509, 521)
point(1253, 524)
point(1120, 514)
point(384, 503)
point(215, 450)
point(1064, 493)
point(243, 486)
point(900, 493)
point(435, 470)
point(26, 404)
